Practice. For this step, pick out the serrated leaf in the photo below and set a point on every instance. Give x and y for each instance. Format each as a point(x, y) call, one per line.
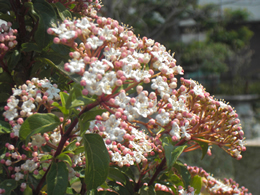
point(172, 153)
point(38, 123)
point(97, 160)
point(8, 185)
point(147, 190)
point(57, 179)
point(64, 157)
point(62, 11)
point(196, 183)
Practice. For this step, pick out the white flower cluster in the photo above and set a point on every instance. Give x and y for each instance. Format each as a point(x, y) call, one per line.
point(26, 99)
point(126, 144)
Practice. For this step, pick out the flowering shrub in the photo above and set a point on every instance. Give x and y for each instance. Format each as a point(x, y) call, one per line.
point(121, 125)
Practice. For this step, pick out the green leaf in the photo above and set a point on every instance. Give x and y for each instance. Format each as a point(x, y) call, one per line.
point(5, 6)
point(62, 109)
point(62, 11)
point(47, 18)
point(147, 190)
point(97, 160)
point(79, 150)
point(65, 158)
point(8, 185)
point(204, 148)
point(4, 127)
point(14, 59)
point(196, 183)
point(57, 179)
point(46, 157)
point(117, 175)
point(106, 193)
point(75, 93)
point(28, 190)
point(172, 153)
point(185, 174)
point(118, 188)
point(38, 123)
point(27, 47)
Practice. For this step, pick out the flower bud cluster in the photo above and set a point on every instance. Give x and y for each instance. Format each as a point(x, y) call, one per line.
point(214, 186)
point(126, 145)
point(28, 99)
point(7, 38)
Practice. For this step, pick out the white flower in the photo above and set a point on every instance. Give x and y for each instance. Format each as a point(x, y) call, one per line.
point(110, 77)
point(83, 23)
point(53, 92)
point(128, 159)
point(105, 32)
point(10, 114)
point(131, 112)
point(94, 42)
point(76, 65)
point(38, 140)
point(94, 89)
point(116, 157)
point(17, 92)
point(111, 52)
point(116, 134)
point(122, 100)
point(16, 130)
point(163, 117)
point(112, 123)
point(175, 131)
point(13, 102)
point(198, 90)
point(138, 156)
point(98, 67)
point(29, 165)
point(55, 137)
point(178, 69)
point(18, 176)
point(105, 87)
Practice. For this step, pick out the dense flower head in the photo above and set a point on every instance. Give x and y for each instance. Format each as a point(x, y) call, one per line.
point(111, 57)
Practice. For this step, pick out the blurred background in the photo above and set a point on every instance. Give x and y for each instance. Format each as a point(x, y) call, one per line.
point(217, 42)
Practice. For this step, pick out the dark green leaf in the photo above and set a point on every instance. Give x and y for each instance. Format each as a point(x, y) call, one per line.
point(204, 147)
point(172, 153)
point(5, 77)
point(47, 19)
point(196, 183)
point(185, 174)
point(147, 190)
point(118, 188)
point(117, 175)
point(27, 47)
point(57, 179)
point(14, 59)
point(97, 160)
point(4, 127)
point(79, 150)
point(8, 185)
point(62, 11)
point(5, 6)
point(65, 158)
point(6, 17)
point(38, 123)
